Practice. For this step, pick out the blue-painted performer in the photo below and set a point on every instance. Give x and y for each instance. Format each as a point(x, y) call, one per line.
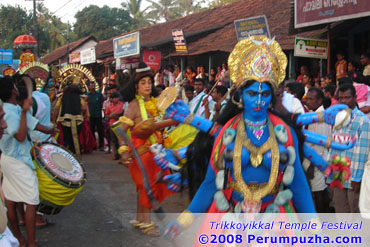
point(255, 161)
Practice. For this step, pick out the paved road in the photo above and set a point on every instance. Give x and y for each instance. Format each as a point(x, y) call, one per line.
point(100, 214)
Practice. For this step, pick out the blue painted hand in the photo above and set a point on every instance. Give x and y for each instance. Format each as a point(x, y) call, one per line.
point(178, 111)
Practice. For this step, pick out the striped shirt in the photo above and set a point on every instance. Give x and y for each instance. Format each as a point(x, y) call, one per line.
point(359, 154)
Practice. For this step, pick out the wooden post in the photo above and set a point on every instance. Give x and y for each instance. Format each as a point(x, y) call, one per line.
point(328, 61)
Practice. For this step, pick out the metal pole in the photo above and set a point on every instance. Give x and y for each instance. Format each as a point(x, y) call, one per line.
point(35, 29)
point(68, 43)
point(182, 66)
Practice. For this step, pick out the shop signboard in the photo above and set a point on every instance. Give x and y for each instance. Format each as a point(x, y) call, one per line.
point(180, 41)
point(126, 46)
point(314, 12)
point(152, 59)
point(88, 56)
point(312, 48)
point(6, 56)
point(75, 57)
point(256, 25)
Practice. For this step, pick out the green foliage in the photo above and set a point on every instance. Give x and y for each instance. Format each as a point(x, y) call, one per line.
point(162, 10)
point(103, 23)
point(15, 21)
point(52, 28)
point(139, 18)
point(215, 3)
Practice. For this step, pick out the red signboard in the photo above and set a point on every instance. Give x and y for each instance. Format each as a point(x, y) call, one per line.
point(74, 57)
point(314, 12)
point(152, 59)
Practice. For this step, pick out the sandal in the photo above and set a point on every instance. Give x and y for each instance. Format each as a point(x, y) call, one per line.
point(151, 230)
point(135, 223)
point(146, 225)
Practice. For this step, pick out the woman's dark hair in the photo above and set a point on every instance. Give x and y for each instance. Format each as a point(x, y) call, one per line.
point(129, 91)
point(71, 101)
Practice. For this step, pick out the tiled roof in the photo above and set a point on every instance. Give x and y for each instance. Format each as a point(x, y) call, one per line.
point(221, 18)
point(62, 51)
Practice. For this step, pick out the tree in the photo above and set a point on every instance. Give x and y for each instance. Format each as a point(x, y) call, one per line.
point(215, 3)
point(139, 18)
point(103, 22)
point(15, 21)
point(55, 29)
point(187, 7)
point(162, 10)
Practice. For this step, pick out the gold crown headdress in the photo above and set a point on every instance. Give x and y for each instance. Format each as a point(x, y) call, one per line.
point(76, 74)
point(37, 71)
point(257, 58)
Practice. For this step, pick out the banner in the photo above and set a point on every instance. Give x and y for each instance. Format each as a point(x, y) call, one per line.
point(152, 59)
point(75, 57)
point(88, 56)
point(6, 56)
point(179, 40)
point(128, 45)
point(312, 48)
point(314, 12)
point(252, 26)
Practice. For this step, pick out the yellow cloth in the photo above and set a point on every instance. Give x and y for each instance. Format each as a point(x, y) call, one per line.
point(20, 182)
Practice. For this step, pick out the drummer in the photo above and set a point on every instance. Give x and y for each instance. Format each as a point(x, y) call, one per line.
point(41, 111)
point(20, 182)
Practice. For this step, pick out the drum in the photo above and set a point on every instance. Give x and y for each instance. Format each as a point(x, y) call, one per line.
point(60, 174)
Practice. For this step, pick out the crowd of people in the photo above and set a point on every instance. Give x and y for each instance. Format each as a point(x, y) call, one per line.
point(213, 104)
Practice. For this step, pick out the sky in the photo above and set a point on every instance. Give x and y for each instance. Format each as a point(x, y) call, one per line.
point(65, 9)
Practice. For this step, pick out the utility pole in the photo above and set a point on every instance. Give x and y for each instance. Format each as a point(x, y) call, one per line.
point(35, 29)
point(68, 42)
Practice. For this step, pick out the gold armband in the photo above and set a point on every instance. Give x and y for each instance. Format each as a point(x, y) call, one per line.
point(185, 219)
point(328, 142)
point(122, 149)
point(189, 119)
point(320, 117)
point(127, 121)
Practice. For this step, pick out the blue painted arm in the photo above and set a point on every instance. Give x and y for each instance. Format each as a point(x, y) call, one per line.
point(329, 115)
point(179, 111)
point(203, 199)
point(321, 140)
point(302, 198)
point(314, 157)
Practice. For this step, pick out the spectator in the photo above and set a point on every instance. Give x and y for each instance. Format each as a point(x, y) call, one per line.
point(189, 93)
point(329, 91)
point(365, 62)
point(195, 105)
point(346, 199)
point(314, 102)
point(303, 71)
point(113, 112)
point(340, 66)
point(297, 90)
point(202, 74)
point(96, 100)
point(160, 88)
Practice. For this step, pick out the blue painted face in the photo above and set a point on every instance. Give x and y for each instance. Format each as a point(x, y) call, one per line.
point(256, 100)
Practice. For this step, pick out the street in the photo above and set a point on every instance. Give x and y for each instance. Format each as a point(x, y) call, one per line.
point(101, 213)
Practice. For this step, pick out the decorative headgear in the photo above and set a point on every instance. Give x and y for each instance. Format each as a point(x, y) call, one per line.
point(142, 71)
point(257, 58)
point(37, 71)
point(76, 74)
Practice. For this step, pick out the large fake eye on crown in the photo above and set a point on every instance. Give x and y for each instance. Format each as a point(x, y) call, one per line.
point(257, 58)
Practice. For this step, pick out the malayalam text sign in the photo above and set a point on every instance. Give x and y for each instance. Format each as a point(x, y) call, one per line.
point(314, 12)
point(88, 56)
point(152, 59)
point(251, 26)
point(312, 48)
point(180, 41)
point(74, 57)
point(128, 45)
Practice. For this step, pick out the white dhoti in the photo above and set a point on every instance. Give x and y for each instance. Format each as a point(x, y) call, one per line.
point(20, 181)
point(364, 200)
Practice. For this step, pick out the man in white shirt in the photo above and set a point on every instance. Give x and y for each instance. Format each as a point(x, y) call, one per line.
point(314, 99)
point(195, 105)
